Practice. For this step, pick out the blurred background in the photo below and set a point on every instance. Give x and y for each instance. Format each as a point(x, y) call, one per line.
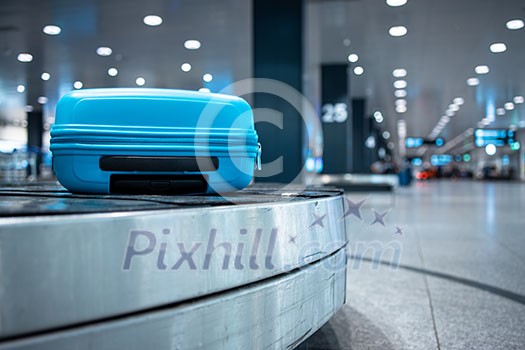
point(422, 100)
point(419, 89)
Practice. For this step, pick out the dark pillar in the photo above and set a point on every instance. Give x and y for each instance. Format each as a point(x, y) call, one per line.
point(360, 131)
point(335, 116)
point(35, 125)
point(277, 45)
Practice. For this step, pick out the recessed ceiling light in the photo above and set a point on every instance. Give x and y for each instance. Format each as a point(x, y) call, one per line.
point(472, 81)
point(192, 44)
point(453, 107)
point(24, 57)
point(445, 119)
point(386, 135)
point(398, 31)
point(204, 90)
point(152, 20)
point(515, 24)
point(45, 76)
point(490, 149)
point(186, 67)
point(498, 48)
point(29, 108)
point(377, 114)
point(20, 88)
point(359, 70)
point(353, 58)
point(400, 93)
point(518, 99)
point(500, 111)
point(399, 73)
point(112, 72)
point(400, 84)
point(509, 106)
point(401, 102)
point(396, 3)
point(401, 108)
point(140, 81)
point(207, 77)
point(78, 84)
point(51, 30)
point(450, 113)
point(379, 119)
point(104, 51)
point(42, 100)
point(482, 69)
point(459, 101)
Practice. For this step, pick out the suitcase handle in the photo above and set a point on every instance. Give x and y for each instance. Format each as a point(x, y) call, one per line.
point(158, 164)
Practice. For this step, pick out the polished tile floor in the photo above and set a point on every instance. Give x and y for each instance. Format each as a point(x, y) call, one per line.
point(458, 281)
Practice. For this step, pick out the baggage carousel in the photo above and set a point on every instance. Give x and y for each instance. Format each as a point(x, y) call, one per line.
point(260, 269)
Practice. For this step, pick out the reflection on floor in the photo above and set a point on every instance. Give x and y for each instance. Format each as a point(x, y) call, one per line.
point(460, 276)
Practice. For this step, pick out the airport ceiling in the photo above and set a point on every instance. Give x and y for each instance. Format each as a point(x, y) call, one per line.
point(446, 40)
point(155, 53)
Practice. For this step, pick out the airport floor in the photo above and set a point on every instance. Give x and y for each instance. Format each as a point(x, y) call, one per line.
point(460, 276)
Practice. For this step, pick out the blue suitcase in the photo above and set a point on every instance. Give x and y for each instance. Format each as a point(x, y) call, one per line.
point(159, 141)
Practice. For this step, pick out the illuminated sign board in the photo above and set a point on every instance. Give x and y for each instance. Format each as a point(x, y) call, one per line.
point(416, 142)
point(496, 137)
point(439, 142)
point(417, 162)
point(441, 159)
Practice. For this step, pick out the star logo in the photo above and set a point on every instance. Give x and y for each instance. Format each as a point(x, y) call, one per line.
point(379, 218)
point(399, 230)
point(318, 220)
point(292, 239)
point(353, 209)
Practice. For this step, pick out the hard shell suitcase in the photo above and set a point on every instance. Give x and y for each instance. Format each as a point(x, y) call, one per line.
point(135, 140)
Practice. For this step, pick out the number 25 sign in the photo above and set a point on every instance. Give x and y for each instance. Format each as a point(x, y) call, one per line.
point(335, 113)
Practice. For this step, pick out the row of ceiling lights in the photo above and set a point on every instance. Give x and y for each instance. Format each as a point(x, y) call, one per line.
point(402, 135)
point(105, 51)
point(399, 85)
point(378, 117)
point(400, 91)
point(499, 47)
point(394, 31)
point(353, 58)
point(451, 111)
point(509, 106)
point(397, 31)
point(495, 48)
point(456, 141)
point(514, 24)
